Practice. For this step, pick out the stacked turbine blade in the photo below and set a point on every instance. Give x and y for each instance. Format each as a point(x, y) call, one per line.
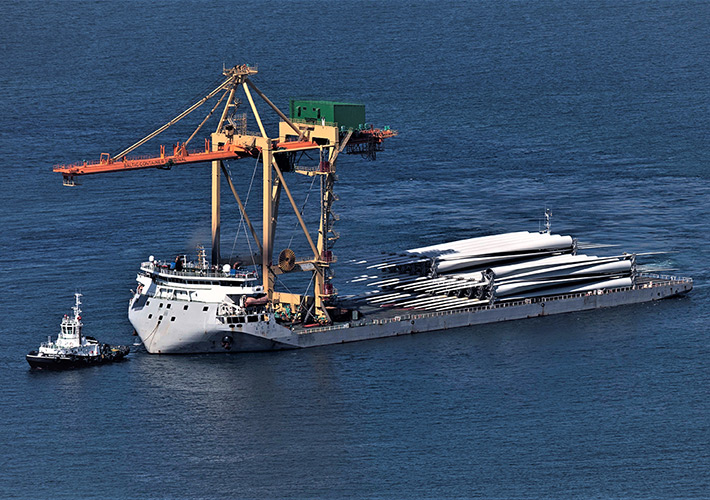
point(561, 274)
point(486, 250)
point(474, 271)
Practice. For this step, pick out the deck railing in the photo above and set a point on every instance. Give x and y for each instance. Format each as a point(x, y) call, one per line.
point(163, 268)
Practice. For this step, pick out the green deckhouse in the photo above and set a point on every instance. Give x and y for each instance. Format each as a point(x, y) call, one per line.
point(349, 116)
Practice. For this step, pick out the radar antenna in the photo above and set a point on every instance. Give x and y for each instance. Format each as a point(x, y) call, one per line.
point(548, 221)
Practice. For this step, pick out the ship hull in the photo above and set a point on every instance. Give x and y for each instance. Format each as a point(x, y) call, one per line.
point(67, 362)
point(200, 332)
point(179, 327)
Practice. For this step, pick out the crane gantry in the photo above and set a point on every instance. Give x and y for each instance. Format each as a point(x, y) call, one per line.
point(230, 141)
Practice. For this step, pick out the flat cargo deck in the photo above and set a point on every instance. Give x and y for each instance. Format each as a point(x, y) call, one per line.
point(379, 322)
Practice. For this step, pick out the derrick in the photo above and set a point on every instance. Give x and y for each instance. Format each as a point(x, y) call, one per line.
point(322, 127)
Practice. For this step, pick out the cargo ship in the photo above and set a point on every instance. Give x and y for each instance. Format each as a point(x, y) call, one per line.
point(217, 306)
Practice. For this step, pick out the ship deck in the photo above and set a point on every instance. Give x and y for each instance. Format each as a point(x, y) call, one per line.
point(373, 315)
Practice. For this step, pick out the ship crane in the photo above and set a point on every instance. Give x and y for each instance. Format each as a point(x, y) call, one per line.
point(307, 129)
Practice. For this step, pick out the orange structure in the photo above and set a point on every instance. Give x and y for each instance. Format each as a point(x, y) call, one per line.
point(277, 154)
point(179, 156)
point(365, 141)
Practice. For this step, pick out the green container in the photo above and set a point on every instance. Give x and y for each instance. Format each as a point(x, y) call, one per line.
point(340, 114)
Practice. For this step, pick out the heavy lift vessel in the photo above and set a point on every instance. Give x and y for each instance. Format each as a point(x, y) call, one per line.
point(187, 307)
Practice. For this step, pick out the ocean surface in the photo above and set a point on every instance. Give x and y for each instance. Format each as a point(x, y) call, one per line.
point(599, 111)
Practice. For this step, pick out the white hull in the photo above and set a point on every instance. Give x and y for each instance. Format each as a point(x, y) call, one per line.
point(196, 330)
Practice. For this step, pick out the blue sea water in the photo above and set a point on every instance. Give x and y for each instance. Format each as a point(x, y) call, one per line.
point(598, 110)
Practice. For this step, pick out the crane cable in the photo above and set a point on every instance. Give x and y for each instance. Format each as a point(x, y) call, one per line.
point(241, 219)
point(229, 81)
point(303, 209)
point(207, 117)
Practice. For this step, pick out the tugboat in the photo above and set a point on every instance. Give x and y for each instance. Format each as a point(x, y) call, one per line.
point(72, 350)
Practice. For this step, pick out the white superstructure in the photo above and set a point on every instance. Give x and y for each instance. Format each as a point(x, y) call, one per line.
point(193, 308)
point(70, 340)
